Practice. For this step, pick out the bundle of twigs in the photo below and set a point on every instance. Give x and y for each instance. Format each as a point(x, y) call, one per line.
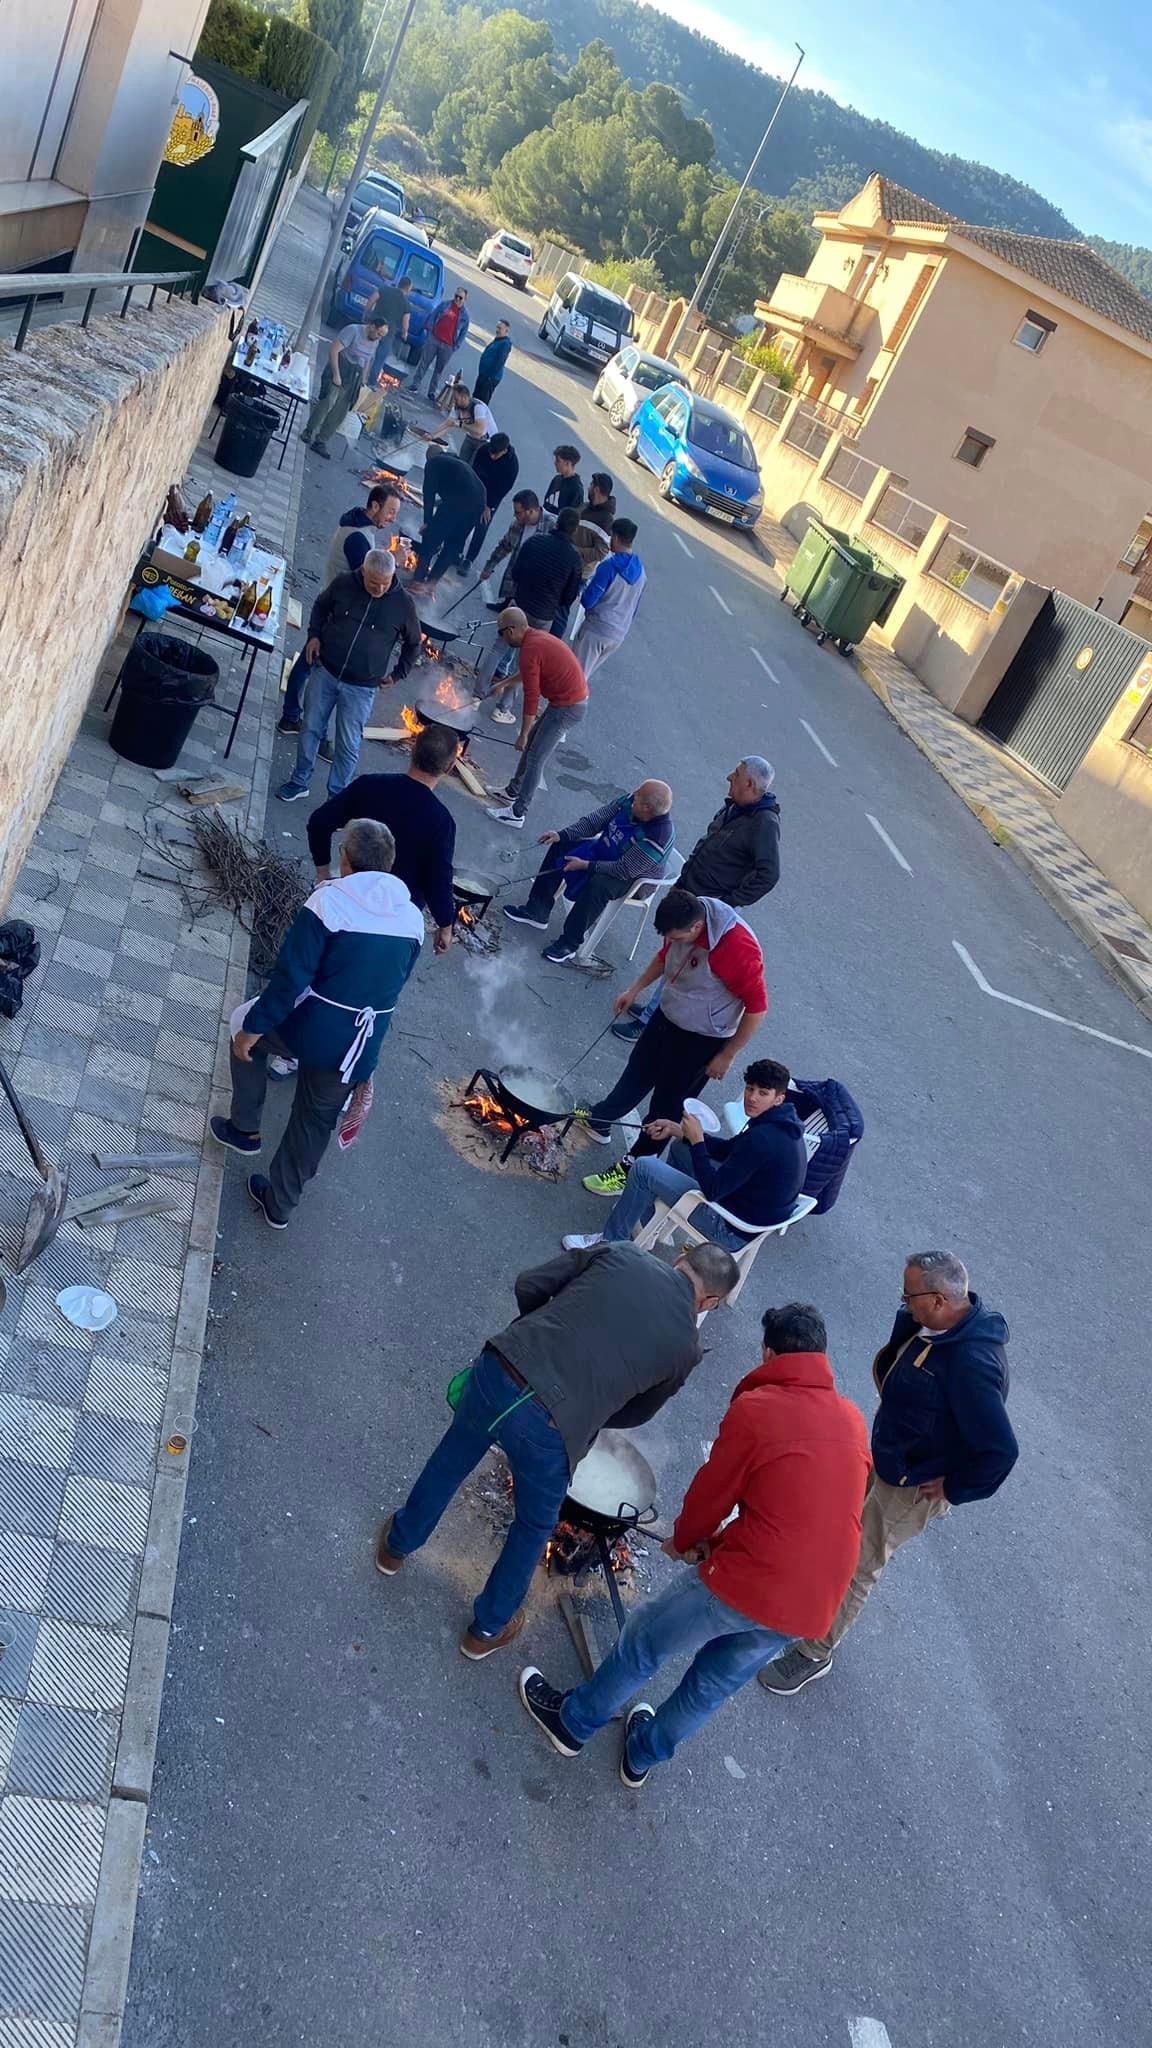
point(262, 887)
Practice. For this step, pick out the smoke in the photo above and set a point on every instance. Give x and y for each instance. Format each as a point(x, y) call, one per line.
point(498, 980)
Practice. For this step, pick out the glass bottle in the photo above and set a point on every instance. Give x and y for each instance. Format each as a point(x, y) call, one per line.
point(203, 513)
point(246, 603)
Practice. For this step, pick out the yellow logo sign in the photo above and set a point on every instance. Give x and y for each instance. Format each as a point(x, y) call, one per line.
point(195, 124)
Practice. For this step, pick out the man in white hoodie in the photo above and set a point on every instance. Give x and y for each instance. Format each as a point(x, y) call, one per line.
point(610, 600)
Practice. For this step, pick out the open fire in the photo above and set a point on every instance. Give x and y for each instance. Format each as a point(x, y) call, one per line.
point(485, 1110)
point(571, 1551)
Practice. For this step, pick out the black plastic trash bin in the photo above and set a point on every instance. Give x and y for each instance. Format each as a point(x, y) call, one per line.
point(249, 424)
point(163, 683)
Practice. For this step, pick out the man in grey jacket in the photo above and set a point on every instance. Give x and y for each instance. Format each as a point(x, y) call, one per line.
point(604, 1337)
point(358, 623)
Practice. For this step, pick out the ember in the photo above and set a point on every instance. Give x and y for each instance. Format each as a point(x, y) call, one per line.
point(571, 1552)
point(484, 1109)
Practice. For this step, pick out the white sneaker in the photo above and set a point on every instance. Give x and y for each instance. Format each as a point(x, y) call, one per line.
point(505, 815)
point(581, 1244)
point(503, 717)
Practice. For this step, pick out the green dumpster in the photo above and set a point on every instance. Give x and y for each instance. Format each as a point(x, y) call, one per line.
point(858, 601)
point(835, 591)
point(808, 561)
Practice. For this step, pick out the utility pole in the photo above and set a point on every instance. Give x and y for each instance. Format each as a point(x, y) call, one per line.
point(333, 249)
point(709, 269)
point(363, 73)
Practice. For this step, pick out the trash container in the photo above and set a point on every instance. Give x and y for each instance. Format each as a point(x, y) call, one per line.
point(843, 572)
point(808, 561)
point(863, 600)
point(163, 683)
point(249, 424)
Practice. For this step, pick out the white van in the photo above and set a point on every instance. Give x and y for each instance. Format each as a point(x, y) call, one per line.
point(586, 320)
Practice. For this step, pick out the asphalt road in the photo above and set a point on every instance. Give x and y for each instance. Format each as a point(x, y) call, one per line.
point(356, 1837)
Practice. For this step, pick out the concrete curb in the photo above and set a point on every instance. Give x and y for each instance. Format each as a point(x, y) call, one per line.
point(1077, 919)
point(114, 1914)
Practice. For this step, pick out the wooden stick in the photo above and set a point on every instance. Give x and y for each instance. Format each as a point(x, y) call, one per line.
point(577, 1630)
point(84, 1204)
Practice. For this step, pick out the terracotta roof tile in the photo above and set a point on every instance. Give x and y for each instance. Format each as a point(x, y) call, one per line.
point(1071, 268)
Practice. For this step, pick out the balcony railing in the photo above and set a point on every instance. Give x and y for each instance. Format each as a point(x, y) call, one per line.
point(29, 289)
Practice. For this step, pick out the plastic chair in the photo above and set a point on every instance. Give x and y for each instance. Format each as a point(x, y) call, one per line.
point(734, 1119)
point(668, 1220)
point(642, 896)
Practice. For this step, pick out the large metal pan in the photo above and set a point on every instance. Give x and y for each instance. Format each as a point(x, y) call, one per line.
point(536, 1095)
point(613, 1487)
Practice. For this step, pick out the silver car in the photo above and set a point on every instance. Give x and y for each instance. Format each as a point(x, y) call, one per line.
point(631, 376)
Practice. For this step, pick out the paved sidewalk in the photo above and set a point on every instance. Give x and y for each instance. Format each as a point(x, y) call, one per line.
point(1013, 806)
point(115, 1052)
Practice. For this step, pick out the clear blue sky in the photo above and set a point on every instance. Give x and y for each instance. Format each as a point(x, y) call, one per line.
point(1059, 96)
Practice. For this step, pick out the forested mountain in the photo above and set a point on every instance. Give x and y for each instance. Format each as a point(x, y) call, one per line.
point(820, 152)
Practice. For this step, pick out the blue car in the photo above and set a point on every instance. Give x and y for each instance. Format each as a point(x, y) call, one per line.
point(384, 251)
point(702, 456)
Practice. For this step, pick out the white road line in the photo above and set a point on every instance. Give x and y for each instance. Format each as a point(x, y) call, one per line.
point(720, 601)
point(818, 742)
point(679, 538)
point(893, 849)
point(869, 2034)
point(769, 672)
point(1090, 1031)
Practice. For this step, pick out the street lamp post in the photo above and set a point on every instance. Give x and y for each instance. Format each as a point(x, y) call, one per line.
point(363, 73)
point(709, 269)
point(330, 254)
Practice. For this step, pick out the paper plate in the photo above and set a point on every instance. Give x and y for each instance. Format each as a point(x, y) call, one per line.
point(89, 1308)
point(709, 1121)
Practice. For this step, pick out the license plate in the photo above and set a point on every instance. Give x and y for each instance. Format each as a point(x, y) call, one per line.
point(729, 518)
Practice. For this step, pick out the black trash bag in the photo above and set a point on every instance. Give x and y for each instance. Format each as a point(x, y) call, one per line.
point(167, 670)
point(19, 957)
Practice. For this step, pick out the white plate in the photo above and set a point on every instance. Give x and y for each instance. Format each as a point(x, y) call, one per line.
point(708, 1119)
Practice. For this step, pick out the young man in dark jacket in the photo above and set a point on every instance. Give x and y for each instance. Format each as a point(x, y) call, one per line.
point(497, 465)
point(940, 1438)
point(566, 490)
point(454, 501)
point(422, 826)
point(791, 1459)
point(737, 860)
point(756, 1176)
point(493, 362)
point(358, 624)
point(603, 1338)
point(327, 1005)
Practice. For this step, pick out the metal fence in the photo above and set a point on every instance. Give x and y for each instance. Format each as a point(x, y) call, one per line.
point(770, 403)
point(977, 577)
point(51, 291)
point(851, 473)
point(807, 434)
point(905, 518)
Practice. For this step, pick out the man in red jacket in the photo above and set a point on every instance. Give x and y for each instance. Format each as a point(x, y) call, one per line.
point(792, 1459)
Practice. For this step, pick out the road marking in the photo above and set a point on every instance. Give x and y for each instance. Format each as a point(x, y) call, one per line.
point(562, 416)
point(893, 849)
point(733, 1768)
point(818, 742)
point(769, 672)
point(720, 601)
point(1090, 1031)
point(679, 537)
point(869, 2034)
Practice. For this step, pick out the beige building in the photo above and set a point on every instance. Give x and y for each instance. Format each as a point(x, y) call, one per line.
point(1010, 375)
point(88, 89)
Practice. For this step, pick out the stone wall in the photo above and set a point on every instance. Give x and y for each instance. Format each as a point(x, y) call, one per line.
point(94, 425)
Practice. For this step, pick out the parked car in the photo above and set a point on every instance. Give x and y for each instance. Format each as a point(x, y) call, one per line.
point(374, 189)
point(702, 456)
point(626, 381)
point(586, 320)
point(385, 250)
point(509, 256)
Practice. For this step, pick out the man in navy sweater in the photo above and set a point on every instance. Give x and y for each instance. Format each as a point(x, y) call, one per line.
point(756, 1176)
point(422, 826)
point(327, 1005)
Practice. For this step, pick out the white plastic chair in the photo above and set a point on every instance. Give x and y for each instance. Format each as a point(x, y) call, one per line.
point(677, 1217)
point(642, 896)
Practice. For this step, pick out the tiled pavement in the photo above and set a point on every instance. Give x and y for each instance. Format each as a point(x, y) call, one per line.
point(1010, 802)
point(114, 1051)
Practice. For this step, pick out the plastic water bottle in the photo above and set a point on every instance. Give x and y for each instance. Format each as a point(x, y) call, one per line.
point(221, 517)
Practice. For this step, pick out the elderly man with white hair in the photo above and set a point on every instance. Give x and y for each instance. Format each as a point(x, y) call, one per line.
point(737, 859)
point(940, 1438)
point(596, 859)
point(364, 631)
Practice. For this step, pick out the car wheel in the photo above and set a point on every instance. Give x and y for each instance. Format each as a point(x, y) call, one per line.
point(632, 444)
point(667, 476)
point(558, 346)
point(522, 283)
point(542, 330)
point(598, 392)
point(618, 415)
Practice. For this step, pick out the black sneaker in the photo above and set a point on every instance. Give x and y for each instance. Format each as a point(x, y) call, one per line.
point(318, 448)
point(288, 793)
point(522, 913)
point(290, 727)
point(326, 751)
point(225, 1133)
point(559, 951)
point(260, 1193)
point(641, 1712)
point(792, 1671)
point(543, 1702)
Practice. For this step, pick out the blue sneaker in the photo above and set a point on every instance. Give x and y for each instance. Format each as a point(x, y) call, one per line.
point(641, 1713)
point(627, 1027)
point(289, 794)
point(544, 1703)
point(225, 1133)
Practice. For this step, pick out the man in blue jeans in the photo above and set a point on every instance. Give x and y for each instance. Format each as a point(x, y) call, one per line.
point(603, 1337)
point(792, 1461)
point(359, 623)
point(756, 1176)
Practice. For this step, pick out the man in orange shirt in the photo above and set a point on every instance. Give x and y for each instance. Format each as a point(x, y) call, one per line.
point(548, 669)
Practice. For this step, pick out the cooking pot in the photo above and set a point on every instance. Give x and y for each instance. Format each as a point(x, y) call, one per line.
point(473, 889)
point(430, 711)
point(612, 1488)
point(534, 1094)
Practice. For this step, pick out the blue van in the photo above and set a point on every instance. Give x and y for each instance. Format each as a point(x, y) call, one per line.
point(384, 251)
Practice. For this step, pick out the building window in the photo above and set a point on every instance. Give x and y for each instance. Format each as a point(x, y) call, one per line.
point(1033, 331)
point(1138, 547)
point(974, 447)
point(982, 581)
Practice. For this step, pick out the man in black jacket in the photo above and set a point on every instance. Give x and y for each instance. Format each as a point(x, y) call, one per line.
point(497, 465)
point(453, 502)
point(604, 1337)
point(545, 577)
point(737, 859)
point(422, 826)
point(358, 622)
point(941, 1435)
